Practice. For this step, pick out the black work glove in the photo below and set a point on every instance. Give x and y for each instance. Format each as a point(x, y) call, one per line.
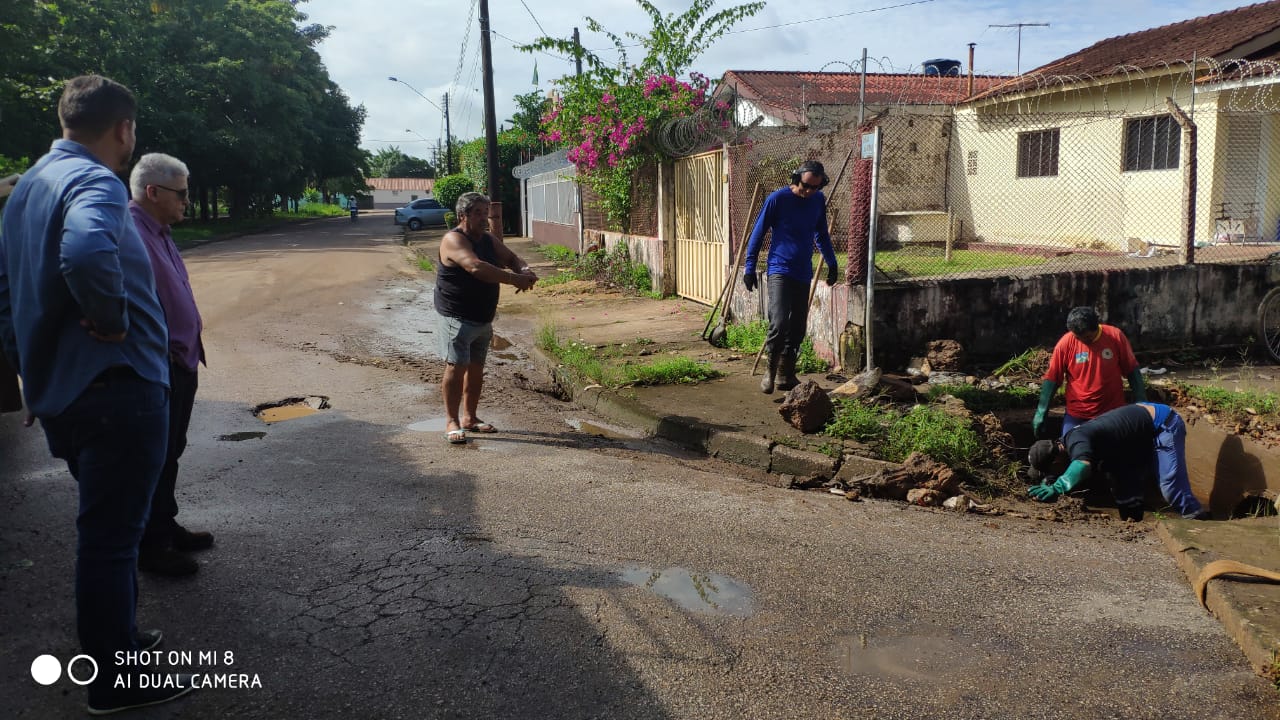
point(833, 275)
point(749, 281)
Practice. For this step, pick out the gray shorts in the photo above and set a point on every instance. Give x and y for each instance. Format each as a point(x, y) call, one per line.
point(463, 342)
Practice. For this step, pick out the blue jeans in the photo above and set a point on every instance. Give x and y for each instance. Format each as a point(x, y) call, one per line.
point(1069, 422)
point(1171, 466)
point(113, 439)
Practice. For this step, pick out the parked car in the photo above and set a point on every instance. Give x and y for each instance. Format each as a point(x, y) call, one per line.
point(421, 213)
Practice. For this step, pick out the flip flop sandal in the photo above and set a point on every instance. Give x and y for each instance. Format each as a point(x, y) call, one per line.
point(482, 427)
point(456, 437)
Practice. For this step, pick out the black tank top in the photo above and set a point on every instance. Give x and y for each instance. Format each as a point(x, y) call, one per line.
point(459, 294)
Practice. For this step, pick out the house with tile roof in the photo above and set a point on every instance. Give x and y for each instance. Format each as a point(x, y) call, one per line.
point(1087, 151)
point(398, 192)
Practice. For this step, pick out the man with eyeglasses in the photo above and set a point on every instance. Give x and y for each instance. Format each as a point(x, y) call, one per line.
point(797, 215)
point(160, 198)
point(80, 321)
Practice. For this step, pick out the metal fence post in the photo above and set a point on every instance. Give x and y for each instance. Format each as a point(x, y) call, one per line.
point(1187, 252)
point(871, 245)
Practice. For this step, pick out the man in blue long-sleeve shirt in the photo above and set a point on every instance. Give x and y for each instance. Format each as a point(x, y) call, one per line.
point(80, 321)
point(797, 215)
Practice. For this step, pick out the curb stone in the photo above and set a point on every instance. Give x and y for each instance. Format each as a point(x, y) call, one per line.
point(756, 452)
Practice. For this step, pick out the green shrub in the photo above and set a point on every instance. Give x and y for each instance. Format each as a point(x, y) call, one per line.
point(450, 219)
point(946, 438)
point(858, 420)
point(449, 188)
point(558, 254)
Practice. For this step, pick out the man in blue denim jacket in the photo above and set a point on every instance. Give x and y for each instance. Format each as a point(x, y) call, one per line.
point(80, 322)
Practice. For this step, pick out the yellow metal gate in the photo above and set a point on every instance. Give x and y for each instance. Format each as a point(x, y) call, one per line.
point(701, 246)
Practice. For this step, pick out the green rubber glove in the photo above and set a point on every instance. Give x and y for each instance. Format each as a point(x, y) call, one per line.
point(1137, 385)
point(1047, 389)
point(1048, 492)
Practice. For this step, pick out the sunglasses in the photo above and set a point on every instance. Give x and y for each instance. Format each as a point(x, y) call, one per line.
point(807, 186)
point(181, 193)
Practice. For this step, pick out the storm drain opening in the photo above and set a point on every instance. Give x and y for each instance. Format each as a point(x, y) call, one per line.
point(290, 408)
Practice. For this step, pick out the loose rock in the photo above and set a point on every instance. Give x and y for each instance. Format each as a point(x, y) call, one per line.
point(807, 407)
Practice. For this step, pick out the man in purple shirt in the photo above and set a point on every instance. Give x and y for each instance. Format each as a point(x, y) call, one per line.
point(160, 196)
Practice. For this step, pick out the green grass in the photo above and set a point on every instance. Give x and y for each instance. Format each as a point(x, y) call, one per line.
point(983, 401)
point(749, 338)
point(585, 363)
point(927, 429)
point(946, 438)
point(929, 260)
point(191, 232)
point(425, 264)
point(1029, 362)
point(558, 254)
point(1235, 405)
point(559, 278)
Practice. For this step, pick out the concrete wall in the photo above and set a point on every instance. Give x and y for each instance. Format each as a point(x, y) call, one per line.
point(997, 318)
point(647, 251)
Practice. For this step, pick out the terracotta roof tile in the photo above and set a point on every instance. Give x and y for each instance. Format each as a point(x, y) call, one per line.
point(1229, 35)
point(787, 92)
point(423, 184)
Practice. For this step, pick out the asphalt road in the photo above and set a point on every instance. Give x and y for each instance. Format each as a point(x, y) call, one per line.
point(365, 569)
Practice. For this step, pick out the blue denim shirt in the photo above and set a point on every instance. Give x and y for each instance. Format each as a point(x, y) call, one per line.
point(796, 223)
point(69, 251)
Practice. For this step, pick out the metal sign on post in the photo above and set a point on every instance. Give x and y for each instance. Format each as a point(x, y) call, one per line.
point(874, 155)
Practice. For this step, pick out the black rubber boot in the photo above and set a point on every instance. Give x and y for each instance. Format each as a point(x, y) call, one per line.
point(787, 373)
point(770, 372)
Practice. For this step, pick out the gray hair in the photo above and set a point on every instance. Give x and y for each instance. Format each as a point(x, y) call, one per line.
point(467, 200)
point(156, 169)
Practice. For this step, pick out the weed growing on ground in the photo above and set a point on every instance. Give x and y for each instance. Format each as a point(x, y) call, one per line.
point(1234, 405)
point(425, 264)
point(943, 437)
point(749, 338)
point(858, 420)
point(983, 401)
point(558, 254)
point(559, 278)
point(586, 363)
point(1031, 361)
point(642, 341)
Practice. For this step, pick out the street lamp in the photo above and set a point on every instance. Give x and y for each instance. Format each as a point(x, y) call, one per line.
point(448, 137)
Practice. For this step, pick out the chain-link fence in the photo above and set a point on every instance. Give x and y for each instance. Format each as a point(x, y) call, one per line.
point(1135, 169)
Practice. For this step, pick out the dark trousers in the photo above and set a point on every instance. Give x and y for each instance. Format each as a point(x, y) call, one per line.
point(112, 438)
point(10, 396)
point(164, 503)
point(788, 315)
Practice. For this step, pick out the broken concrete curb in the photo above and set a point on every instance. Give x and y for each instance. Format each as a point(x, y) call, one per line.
point(752, 451)
point(1249, 612)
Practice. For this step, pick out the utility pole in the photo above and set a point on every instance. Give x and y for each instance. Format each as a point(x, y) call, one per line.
point(448, 139)
point(1020, 26)
point(577, 52)
point(490, 120)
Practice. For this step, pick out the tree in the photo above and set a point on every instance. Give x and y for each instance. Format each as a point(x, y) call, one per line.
point(608, 115)
point(529, 117)
point(449, 188)
point(391, 162)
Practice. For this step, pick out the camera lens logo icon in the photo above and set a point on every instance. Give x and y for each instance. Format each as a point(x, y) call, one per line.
point(46, 669)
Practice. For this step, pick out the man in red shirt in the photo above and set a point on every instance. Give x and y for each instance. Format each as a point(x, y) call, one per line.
point(1093, 359)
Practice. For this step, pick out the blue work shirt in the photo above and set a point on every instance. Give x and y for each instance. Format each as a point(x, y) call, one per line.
point(69, 251)
point(796, 223)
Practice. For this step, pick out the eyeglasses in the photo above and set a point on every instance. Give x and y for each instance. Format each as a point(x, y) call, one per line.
point(807, 186)
point(181, 193)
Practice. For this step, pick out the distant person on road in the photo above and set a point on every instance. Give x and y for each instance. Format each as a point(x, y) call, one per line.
point(1093, 359)
point(159, 184)
point(80, 321)
point(473, 263)
point(797, 215)
point(1135, 442)
point(353, 207)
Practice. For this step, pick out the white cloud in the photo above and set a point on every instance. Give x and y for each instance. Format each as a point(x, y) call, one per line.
point(421, 43)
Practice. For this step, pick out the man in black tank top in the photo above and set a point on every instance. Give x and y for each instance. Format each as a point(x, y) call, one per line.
point(473, 263)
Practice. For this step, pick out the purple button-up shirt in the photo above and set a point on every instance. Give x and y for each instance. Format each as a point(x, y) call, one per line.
point(173, 287)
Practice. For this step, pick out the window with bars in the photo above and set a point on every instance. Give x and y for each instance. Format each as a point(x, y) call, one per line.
point(1151, 143)
point(1038, 153)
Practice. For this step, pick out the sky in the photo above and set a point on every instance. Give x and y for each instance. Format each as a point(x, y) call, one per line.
point(433, 46)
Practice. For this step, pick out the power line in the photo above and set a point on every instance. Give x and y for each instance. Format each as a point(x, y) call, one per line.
point(535, 19)
point(544, 52)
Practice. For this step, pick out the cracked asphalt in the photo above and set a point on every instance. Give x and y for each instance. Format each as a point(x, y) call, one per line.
point(364, 569)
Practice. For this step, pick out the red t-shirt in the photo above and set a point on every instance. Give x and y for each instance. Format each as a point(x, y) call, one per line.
point(1094, 372)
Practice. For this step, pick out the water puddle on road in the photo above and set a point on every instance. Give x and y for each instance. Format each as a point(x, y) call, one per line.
point(923, 658)
point(603, 430)
point(710, 593)
point(291, 408)
point(435, 424)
